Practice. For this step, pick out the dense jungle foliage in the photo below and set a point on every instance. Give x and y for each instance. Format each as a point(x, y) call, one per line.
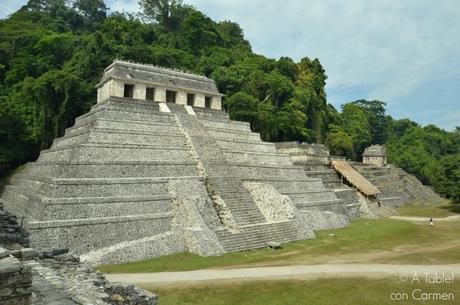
point(53, 52)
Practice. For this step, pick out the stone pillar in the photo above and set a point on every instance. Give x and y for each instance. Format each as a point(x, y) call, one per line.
point(160, 95)
point(199, 100)
point(139, 91)
point(216, 103)
point(181, 98)
point(117, 88)
point(104, 91)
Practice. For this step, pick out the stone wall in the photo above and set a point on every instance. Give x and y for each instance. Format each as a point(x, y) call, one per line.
point(55, 277)
point(15, 279)
point(376, 161)
point(12, 234)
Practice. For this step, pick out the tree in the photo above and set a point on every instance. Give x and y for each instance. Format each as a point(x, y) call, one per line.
point(287, 67)
point(377, 119)
point(198, 32)
point(400, 127)
point(166, 13)
point(311, 79)
point(290, 123)
point(356, 124)
point(243, 107)
point(91, 10)
point(281, 88)
point(339, 142)
point(232, 34)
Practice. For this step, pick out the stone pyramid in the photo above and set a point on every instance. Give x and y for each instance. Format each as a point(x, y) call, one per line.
point(156, 167)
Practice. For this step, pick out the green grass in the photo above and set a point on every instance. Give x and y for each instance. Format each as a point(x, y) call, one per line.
point(444, 209)
point(338, 291)
point(380, 240)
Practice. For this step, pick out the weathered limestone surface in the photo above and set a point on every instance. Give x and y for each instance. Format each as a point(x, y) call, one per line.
point(375, 155)
point(55, 277)
point(135, 178)
point(12, 234)
point(160, 80)
point(129, 181)
point(315, 160)
point(15, 280)
point(396, 186)
point(60, 279)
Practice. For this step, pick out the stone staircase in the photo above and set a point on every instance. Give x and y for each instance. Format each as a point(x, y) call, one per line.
point(136, 180)
point(253, 230)
point(315, 162)
point(106, 180)
point(396, 186)
point(256, 161)
point(384, 211)
point(257, 236)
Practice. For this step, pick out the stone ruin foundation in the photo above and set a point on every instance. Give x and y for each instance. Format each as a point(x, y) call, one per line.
point(155, 168)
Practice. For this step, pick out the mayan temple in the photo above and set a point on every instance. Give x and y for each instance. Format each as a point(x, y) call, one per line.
point(396, 186)
point(368, 182)
point(156, 167)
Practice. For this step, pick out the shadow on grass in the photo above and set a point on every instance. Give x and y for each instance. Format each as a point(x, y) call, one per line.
point(452, 207)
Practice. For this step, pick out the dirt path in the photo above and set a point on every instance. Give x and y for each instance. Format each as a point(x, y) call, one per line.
point(403, 272)
point(425, 219)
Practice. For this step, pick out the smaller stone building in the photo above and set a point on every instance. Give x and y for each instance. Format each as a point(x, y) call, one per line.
point(151, 83)
point(375, 155)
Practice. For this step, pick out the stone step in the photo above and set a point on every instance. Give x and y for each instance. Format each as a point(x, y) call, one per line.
point(110, 169)
point(124, 103)
point(262, 171)
point(80, 208)
point(302, 186)
point(255, 158)
point(258, 236)
point(312, 166)
point(223, 134)
point(322, 205)
point(349, 196)
point(323, 171)
point(332, 184)
point(83, 235)
point(95, 187)
point(230, 125)
point(135, 138)
point(325, 176)
point(155, 122)
point(90, 207)
point(209, 114)
point(131, 114)
point(311, 196)
point(114, 152)
point(254, 146)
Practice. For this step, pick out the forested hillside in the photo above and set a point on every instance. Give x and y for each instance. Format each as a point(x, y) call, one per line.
point(53, 52)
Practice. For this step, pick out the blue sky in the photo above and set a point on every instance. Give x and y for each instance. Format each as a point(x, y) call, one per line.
point(403, 52)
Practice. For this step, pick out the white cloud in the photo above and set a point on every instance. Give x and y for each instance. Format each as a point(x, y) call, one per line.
point(10, 6)
point(130, 6)
point(379, 49)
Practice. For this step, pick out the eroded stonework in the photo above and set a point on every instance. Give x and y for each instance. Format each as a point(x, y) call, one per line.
point(136, 178)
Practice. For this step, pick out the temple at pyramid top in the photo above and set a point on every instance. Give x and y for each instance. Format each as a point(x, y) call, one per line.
point(147, 82)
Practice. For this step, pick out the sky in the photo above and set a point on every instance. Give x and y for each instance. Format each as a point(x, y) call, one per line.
point(403, 52)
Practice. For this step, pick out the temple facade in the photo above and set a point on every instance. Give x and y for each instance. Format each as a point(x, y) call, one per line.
point(151, 83)
point(375, 155)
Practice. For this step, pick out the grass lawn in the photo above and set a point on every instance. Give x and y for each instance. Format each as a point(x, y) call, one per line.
point(382, 240)
point(444, 209)
point(340, 291)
